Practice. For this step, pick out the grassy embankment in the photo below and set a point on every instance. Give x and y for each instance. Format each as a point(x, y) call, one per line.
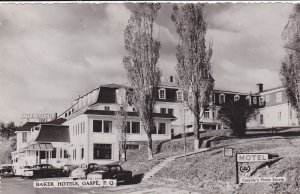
point(212, 172)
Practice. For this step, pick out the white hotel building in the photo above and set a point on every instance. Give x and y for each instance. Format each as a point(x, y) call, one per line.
point(87, 132)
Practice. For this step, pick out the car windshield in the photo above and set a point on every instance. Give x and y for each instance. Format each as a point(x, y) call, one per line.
point(6, 167)
point(104, 168)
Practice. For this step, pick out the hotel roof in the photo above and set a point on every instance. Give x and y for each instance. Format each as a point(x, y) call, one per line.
point(28, 125)
point(53, 133)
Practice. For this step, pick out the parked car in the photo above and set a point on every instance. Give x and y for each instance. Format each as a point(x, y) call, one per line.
point(22, 170)
point(111, 172)
point(83, 170)
point(43, 171)
point(6, 170)
point(68, 168)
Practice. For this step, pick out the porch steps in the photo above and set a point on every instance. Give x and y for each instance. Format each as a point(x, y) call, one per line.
point(166, 161)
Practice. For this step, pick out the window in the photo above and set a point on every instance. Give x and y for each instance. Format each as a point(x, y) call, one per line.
point(179, 95)
point(248, 98)
point(279, 116)
point(163, 110)
point(171, 111)
point(162, 93)
point(236, 97)
point(24, 137)
point(162, 128)
point(54, 153)
point(82, 153)
point(132, 147)
point(221, 98)
point(106, 108)
point(102, 151)
point(83, 127)
point(122, 108)
point(154, 130)
point(254, 100)
point(128, 127)
point(65, 153)
point(267, 98)
point(97, 126)
point(261, 101)
point(135, 127)
point(107, 126)
point(206, 114)
point(261, 119)
point(60, 153)
point(279, 97)
point(133, 109)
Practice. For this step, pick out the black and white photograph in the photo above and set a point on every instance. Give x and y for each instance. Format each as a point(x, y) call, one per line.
point(150, 97)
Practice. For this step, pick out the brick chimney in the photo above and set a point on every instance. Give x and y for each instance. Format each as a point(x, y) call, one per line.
point(260, 87)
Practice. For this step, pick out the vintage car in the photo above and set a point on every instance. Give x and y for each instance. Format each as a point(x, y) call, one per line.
point(43, 171)
point(6, 170)
point(111, 171)
point(83, 170)
point(22, 170)
point(68, 168)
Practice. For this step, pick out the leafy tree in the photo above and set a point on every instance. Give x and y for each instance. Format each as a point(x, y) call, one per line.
point(290, 66)
point(141, 64)
point(236, 114)
point(193, 60)
point(7, 130)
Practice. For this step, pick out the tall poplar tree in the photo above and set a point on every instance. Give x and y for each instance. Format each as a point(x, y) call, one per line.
point(193, 60)
point(141, 64)
point(290, 67)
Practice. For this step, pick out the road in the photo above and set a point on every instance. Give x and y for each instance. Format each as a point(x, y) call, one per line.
point(17, 185)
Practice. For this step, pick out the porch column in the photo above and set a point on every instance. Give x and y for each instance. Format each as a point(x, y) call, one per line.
point(217, 127)
point(201, 127)
point(211, 114)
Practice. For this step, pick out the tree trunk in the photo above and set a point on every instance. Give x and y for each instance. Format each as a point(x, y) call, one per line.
point(123, 152)
point(196, 132)
point(150, 150)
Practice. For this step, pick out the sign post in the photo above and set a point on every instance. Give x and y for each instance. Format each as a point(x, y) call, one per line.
point(248, 158)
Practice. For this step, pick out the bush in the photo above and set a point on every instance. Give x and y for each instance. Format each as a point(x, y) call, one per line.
point(236, 114)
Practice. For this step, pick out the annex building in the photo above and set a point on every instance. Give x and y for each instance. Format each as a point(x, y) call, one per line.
point(88, 132)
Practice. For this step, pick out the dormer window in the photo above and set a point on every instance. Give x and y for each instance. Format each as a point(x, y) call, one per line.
point(222, 98)
point(236, 97)
point(248, 98)
point(179, 95)
point(162, 93)
point(261, 101)
point(254, 100)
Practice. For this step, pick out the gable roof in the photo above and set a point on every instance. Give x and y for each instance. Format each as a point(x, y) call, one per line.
point(28, 125)
point(53, 133)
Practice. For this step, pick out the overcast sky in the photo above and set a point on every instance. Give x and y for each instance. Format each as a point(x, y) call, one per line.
point(50, 54)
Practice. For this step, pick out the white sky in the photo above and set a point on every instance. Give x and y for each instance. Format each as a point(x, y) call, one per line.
point(50, 54)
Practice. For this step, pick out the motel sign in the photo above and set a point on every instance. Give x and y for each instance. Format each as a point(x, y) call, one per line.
point(252, 157)
point(244, 158)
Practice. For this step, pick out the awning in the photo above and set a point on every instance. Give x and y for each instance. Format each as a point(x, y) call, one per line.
point(39, 147)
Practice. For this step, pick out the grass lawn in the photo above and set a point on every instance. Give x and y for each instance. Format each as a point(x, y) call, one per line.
point(211, 172)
